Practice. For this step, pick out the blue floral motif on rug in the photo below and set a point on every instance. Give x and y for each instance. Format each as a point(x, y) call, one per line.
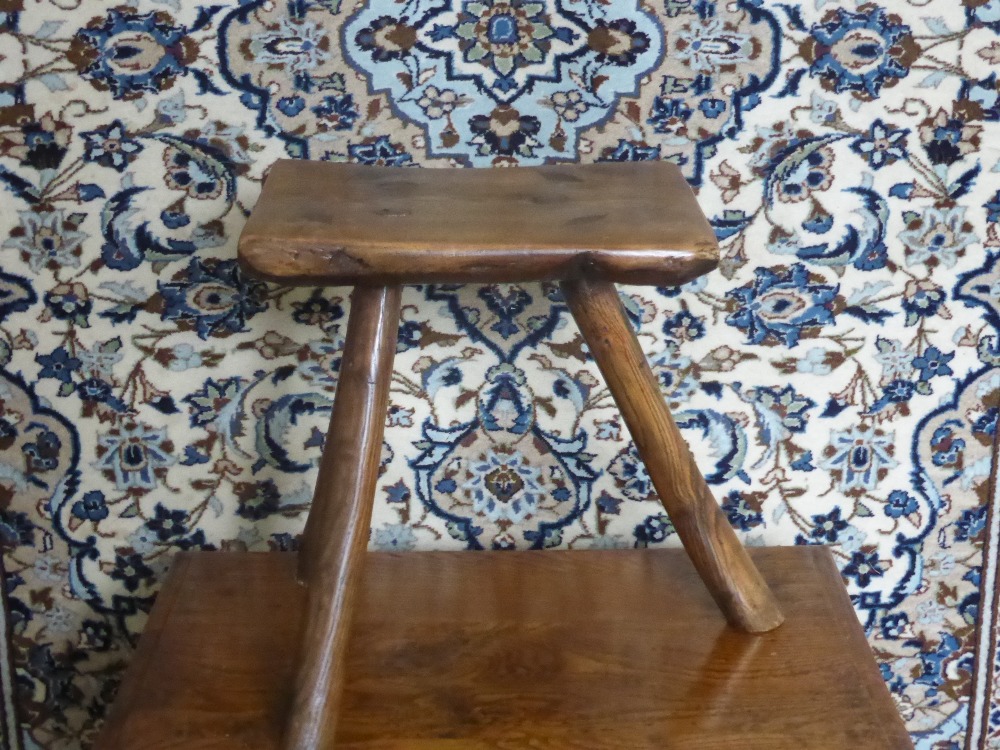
point(838, 377)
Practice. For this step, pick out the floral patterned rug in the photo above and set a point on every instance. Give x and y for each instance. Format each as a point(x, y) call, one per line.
point(838, 377)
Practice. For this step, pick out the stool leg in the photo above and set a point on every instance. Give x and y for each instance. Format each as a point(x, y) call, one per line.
point(710, 541)
point(336, 535)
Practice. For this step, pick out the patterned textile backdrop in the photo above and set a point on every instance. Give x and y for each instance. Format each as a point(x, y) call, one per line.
point(839, 376)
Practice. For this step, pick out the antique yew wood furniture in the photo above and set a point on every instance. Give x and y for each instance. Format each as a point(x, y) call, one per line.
point(602, 650)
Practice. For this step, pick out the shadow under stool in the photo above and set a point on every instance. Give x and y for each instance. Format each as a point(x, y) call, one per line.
point(705, 648)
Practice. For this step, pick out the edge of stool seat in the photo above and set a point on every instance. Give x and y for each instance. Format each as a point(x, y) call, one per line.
point(338, 223)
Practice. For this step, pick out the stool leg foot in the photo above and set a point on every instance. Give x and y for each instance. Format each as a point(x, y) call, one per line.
point(723, 563)
point(336, 535)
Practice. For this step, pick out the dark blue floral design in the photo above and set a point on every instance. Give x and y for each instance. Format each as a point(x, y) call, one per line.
point(42, 453)
point(631, 476)
point(16, 529)
point(387, 38)
point(781, 305)
point(16, 294)
point(631, 151)
point(216, 297)
point(59, 365)
point(46, 141)
point(398, 493)
point(97, 635)
point(132, 54)
point(971, 524)
point(70, 302)
point(741, 514)
point(605, 38)
point(934, 661)
point(318, 309)
point(493, 134)
point(167, 524)
point(983, 94)
point(860, 52)
point(100, 392)
point(336, 112)
point(279, 415)
point(132, 571)
point(947, 138)
point(993, 208)
point(505, 36)
point(409, 335)
point(921, 299)
point(894, 392)
point(111, 146)
point(380, 152)
point(608, 504)
point(827, 527)
point(95, 389)
point(290, 105)
point(506, 306)
point(802, 175)
point(933, 363)
point(198, 174)
point(947, 449)
point(91, 507)
point(900, 504)
point(126, 246)
point(894, 625)
point(669, 116)
point(883, 145)
point(443, 374)
point(258, 500)
point(712, 108)
point(653, 530)
point(987, 423)
point(8, 430)
point(863, 567)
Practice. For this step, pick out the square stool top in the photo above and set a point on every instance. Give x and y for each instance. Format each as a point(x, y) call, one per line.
point(336, 223)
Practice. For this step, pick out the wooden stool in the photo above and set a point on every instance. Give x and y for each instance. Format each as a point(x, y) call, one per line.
point(611, 650)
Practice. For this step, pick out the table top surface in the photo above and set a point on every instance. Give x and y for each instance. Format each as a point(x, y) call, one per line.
point(562, 650)
point(633, 222)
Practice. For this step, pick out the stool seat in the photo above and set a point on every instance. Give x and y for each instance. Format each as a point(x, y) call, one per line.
point(562, 650)
point(335, 223)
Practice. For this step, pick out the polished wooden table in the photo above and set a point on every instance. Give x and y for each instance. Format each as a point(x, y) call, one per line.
point(553, 650)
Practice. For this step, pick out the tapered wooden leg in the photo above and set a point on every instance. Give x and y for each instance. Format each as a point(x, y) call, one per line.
point(710, 541)
point(336, 535)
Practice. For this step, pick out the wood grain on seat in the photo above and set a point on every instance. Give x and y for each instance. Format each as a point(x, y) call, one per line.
point(331, 223)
